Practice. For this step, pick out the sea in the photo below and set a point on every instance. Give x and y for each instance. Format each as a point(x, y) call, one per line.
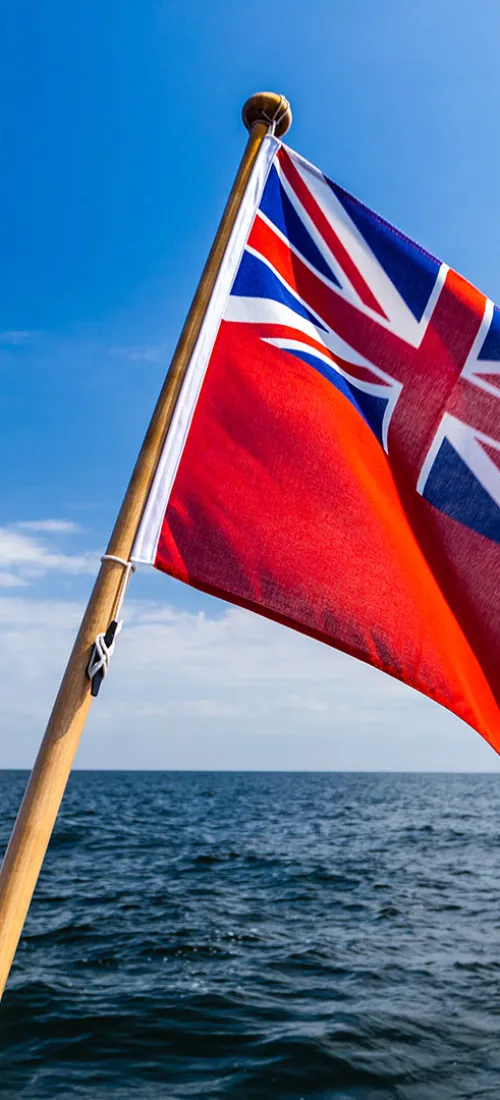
point(260, 936)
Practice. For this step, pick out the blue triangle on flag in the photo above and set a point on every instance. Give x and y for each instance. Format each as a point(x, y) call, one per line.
point(491, 347)
point(373, 409)
point(412, 270)
point(254, 279)
point(276, 205)
point(453, 488)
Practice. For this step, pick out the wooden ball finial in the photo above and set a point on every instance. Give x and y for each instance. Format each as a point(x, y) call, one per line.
point(268, 107)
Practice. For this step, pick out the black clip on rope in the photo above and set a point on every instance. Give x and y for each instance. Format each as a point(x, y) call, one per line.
point(103, 648)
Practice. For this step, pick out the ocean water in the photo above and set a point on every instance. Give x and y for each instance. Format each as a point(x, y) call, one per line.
point(260, 936)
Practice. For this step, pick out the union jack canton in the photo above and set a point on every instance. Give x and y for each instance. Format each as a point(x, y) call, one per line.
point(410, 343)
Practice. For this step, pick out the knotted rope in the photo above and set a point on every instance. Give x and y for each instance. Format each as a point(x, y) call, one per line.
point(104, 645)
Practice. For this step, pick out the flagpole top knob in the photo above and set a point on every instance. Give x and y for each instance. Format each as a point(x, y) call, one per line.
point(268, 107)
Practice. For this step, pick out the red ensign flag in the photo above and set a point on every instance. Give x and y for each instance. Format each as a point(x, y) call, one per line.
point(334, 459)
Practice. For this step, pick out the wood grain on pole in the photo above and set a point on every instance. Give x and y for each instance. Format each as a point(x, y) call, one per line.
point(35, 821)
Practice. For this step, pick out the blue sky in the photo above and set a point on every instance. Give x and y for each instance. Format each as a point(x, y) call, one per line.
point(120, 135)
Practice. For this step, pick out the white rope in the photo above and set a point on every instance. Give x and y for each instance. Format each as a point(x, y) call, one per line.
point(101, 654)
point(102, 650)
point(129, 569)
point(281, 110)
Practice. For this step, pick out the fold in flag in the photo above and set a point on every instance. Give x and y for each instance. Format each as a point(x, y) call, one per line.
point(334, 458)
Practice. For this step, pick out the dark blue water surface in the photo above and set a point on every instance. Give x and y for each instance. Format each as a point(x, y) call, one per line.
point(260, 935)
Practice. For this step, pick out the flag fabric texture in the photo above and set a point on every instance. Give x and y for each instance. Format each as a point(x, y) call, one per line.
point(334, 459)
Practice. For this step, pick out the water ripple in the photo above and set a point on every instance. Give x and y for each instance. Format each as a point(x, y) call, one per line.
point(256, 936)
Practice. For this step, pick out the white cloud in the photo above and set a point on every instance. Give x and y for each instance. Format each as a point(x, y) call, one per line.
point(236, 691)
point(50, 526)
point(194, 708)
point(14, 337)
point(24, 558)
point(11, 580)
point(146, 353)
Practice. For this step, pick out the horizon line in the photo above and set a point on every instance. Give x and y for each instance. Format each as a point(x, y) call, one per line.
point(267, 771)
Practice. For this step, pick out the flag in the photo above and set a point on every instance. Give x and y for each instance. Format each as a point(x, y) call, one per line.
point(334, 458)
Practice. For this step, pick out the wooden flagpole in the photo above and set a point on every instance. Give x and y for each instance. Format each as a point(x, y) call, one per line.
point(39, 808)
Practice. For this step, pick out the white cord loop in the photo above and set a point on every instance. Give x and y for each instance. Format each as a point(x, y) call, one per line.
point(278, 115)
point(129, 569)
point(104, 645)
